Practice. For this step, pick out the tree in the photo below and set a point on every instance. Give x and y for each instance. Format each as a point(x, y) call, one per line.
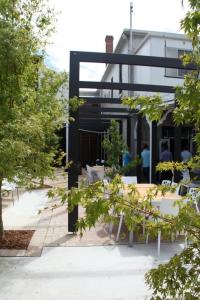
point(29, 109)
point(114, 145)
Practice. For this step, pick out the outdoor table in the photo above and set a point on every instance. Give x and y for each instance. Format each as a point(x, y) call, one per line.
point(143, 189)
point(97, 172)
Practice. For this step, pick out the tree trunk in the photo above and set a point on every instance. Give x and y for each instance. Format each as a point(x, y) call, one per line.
point(1, 219)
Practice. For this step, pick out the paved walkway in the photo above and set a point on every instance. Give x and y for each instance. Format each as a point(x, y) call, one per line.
point(81, 273)
point(55, 266)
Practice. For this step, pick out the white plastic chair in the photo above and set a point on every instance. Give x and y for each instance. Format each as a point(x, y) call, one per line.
point(195, 194)
point(100, 173)
point(89, 174)
point(165, 206)
point(177, 187)
point(125, 180)
point(186, 175)
point(10, 187)
point(129, 179)
point(166, 182)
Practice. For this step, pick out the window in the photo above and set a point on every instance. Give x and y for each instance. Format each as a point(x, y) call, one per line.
point(167, 132)
point(182, 72)
point(175, 53)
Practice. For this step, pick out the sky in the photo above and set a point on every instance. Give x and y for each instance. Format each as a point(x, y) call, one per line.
point(83, 24)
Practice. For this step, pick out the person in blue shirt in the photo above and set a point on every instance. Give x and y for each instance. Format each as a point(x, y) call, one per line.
point(145, 156)
point(186, 155)
point(126, 158)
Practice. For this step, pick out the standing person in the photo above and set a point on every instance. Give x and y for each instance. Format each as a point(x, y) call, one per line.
point(186, 155)
point(166, 156)
point(126, 158)
point(145, 156)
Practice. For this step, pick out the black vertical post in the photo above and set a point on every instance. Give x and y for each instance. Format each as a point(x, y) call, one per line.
point(73, 146)
point(177, 150)
point(129, 132)
point(154, 148)
point(139, 144)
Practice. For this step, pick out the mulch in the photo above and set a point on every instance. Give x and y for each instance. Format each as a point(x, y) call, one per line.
point(16, 239)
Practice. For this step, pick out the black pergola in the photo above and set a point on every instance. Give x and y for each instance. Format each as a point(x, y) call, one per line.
point(89, 115)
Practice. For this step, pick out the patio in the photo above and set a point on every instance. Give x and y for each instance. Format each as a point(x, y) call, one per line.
point(74, 266)
point(102, 272)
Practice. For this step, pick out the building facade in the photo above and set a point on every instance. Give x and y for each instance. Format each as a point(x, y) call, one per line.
point(157, 44)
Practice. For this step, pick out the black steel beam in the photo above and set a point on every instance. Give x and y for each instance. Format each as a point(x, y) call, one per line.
point(138, 60)
point(98, 116)
point(86, 109)
point(99, 100)
point(126, 86)
point(97, 129)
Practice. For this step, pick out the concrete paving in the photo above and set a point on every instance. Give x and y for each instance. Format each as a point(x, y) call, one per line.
point(24, 213)
point(103, 272)
point(82, 273)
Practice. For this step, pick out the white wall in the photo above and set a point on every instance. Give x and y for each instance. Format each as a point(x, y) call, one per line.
point(160, 46)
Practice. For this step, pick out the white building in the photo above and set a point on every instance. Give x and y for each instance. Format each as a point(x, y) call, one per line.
point(157, 44)
point(149, 43)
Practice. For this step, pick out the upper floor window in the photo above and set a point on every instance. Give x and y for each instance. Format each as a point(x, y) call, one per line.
point(182, 72)
point(175, 53)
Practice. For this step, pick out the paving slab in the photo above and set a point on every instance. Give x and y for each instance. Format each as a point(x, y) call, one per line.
point(82, 273)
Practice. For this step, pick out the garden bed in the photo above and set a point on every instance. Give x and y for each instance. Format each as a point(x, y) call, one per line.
point(16, 239)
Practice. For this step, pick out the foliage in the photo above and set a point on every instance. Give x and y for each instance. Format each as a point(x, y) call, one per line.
point(30, 111)
point(99, 200)
point(179, 278)
point(74, 104)
point(114, 145)
point(147, 105)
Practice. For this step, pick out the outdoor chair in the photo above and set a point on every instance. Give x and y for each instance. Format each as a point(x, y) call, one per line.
point(10, 187)
point(100, 173)
point(166, 182)
point(89, 174)
point(177, 187)
point(165, 207)
point(195, 195)
point(185, 175)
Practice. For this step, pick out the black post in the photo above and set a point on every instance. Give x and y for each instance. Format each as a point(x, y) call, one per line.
point(73, 138)
point(139, 144)
point(154, 148)
point(129, 132)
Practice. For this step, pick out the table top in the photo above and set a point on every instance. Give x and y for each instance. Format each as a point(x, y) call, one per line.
point(97, 168)
point(144, 187)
